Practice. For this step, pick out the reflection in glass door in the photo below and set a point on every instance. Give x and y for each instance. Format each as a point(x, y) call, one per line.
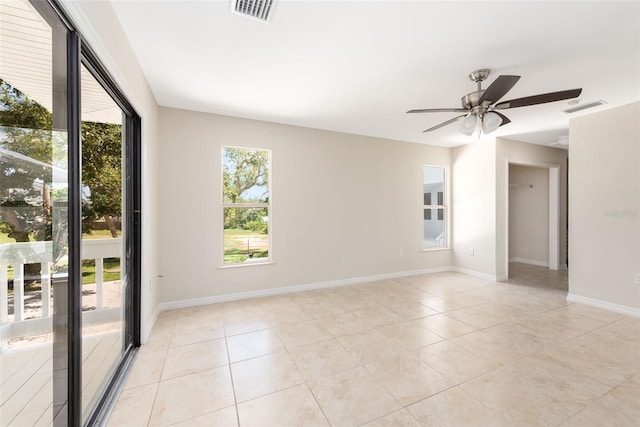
point(69, 250)
point(103, 282)
point(34, 192)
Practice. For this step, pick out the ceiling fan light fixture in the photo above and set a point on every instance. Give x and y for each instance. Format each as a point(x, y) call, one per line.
point(490, 122)
point(469, 124)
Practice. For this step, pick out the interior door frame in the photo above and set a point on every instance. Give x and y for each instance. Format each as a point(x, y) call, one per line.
point(554, 211)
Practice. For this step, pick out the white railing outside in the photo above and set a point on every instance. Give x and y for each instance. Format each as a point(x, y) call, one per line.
point(19, 254)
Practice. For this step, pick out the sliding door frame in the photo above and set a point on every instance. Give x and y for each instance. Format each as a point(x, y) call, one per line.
point(132, 224)
point(79, 53)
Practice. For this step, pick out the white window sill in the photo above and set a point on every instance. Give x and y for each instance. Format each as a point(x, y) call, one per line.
point(435, 249)
point(246, 264)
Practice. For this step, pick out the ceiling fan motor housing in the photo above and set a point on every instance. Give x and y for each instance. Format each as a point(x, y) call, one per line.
point(471, 100)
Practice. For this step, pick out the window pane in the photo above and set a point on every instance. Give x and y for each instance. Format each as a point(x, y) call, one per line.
point(246, 234)
point(245, 175)
point(34, 195)
point(434, 232)
point(434, 229)
point(433, 180)
point(103, 293)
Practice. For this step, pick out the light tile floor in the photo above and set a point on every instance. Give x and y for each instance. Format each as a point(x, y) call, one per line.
point(440, 349)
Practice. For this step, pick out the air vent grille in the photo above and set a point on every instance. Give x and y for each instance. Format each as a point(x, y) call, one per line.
point(584, 106)
point(259, 10)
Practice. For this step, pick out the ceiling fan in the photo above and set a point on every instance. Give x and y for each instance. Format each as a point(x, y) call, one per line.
point(481, 107)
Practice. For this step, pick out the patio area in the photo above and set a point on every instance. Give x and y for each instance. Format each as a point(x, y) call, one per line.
point(27, 318)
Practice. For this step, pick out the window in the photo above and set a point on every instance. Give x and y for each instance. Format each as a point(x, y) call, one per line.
point(246, 204)
point(435, 229)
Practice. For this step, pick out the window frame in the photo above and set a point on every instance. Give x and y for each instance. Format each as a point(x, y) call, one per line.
point(268, 206)
point(444, 208)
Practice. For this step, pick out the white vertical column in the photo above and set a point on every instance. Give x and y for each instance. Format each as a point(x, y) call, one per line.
point(4, 295)
point(99, 287)
point(554, 218)
point(18, 291)
point(46, 289)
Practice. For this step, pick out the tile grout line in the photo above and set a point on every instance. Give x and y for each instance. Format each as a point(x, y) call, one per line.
point(233, 386)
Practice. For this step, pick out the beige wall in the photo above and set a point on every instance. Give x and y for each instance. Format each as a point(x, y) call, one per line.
point(509, 151)
point(528, 215)
point(480, 201)
point(97, 22)
point(604, 201)
point(343, 206)
point(347, 206)
point(473, 206)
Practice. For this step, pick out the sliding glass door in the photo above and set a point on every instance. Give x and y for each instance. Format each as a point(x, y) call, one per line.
point(34, 215)
point(69, 223)
point(104, 286)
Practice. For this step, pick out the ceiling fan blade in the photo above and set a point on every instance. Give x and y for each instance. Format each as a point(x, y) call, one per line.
point(498, 88)
point(443, 124)
point(539, 99)
point(505, 119)
point(439, 110)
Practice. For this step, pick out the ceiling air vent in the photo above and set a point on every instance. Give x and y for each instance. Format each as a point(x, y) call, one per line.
point(583, 107)
point(260, 10)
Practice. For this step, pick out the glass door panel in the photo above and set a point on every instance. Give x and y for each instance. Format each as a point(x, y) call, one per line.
point(103, 282)
point(34, 250)
point(47, 375)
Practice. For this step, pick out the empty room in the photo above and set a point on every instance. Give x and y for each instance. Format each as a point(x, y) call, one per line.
point(319, 213)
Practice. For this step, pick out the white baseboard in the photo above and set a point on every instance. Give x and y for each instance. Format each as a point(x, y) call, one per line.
point(486, 276)
point(171, 305)
point(144, 333)
point(530, 261)
point(622, 309)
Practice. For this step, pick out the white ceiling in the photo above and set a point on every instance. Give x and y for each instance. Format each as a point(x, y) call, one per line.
point(358, 66)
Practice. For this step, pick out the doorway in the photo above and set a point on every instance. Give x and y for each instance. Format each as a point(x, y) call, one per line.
point(534, 211)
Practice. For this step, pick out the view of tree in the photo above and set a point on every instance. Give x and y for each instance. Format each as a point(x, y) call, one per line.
point(102, 174)
point(27, 145)
point(245, 177)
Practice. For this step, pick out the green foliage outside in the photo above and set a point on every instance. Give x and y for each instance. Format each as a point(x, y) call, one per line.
point(111, 266)
point(245, 177)
point(110, 270)
point(101, 174)
point(257, 225)
point(239, 243)
point(31, 149)
point(25, 203)
point(244, 170)
point(110, 273)
point(240, 255)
